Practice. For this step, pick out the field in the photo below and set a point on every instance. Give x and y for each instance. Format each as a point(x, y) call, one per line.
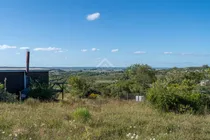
point(110, 120)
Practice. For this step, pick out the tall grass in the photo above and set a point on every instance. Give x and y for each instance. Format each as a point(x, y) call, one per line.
point(110, 120)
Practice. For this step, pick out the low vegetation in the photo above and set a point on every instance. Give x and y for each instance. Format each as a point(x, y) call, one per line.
point(81, 114)
point(110, 119)
point(5, 96)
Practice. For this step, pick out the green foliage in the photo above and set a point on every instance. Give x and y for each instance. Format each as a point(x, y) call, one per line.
point(42, 92)
point(1, 87)
point(141, 77)
point(7, 97)
point(179, 91)
point(103, 88)
point(79, 85)
point(136, 72)
point(137, 79)
point(177, 97)
point(81, 114)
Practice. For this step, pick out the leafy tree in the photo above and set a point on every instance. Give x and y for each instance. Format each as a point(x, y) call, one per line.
point(79, 85)
point(140, 77)
point(205, 66)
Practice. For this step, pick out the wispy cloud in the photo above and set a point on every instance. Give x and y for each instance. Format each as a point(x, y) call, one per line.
point(3, 47)
point(93, 16)
point(48, 49)
point(189, 54)
point(60, 51)
point(196, 54)
point(115, 50)
point(24, 48)
point(95, 49)
point(139, 52)
point(84, 50)
point(167, 52)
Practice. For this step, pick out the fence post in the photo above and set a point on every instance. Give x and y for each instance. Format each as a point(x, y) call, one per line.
point(20, 96)
point(5, 84)
point(62, 95)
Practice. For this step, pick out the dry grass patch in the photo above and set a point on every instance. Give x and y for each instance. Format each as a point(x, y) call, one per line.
point(109, 120)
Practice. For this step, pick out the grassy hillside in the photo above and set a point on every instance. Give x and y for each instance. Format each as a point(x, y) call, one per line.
point(110, 120)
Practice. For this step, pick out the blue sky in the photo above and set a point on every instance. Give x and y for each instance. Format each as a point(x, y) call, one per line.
point(72, 33)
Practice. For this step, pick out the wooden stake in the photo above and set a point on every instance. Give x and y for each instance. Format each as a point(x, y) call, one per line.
point(20, 96)
point(5, 84)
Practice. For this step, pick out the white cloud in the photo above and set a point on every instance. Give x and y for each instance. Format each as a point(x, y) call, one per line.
point(167, 52)
point(188, 54)
point(115, 50)
point(93, 16)
point(95, 49)
point(140, 52)
point(60, 51)
point(24, 48)
point(3, 47)
point(84, 50)
point(47, 49)
point(17, 53)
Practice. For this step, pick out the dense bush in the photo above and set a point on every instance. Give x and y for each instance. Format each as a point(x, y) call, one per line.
point(79, 86)
point(42, 92)
point(179, 98)
point(7, 97)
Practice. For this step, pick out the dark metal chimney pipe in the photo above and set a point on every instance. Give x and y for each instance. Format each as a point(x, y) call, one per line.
point(27, 61)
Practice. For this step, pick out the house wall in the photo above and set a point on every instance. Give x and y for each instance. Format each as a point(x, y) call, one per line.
point(15, 81)
point(41, 77)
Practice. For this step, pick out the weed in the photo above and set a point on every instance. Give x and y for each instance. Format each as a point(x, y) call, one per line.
point(82, 114)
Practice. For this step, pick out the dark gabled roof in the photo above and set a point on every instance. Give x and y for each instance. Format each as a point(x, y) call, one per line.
point(22, 69)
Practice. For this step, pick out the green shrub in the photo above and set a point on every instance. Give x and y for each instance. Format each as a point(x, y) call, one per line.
point(175, 98)
point(7, 97)
point(42, 92)
point(81, 114)
point(1, 87)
